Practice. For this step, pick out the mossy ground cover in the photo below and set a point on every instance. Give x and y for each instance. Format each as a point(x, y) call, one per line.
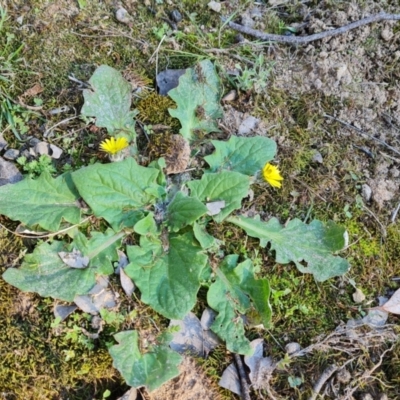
point(65, 38)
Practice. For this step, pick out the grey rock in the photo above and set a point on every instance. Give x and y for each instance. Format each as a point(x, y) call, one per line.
point(366, 192)
point(3, 143)
point(33, 142)
point(292, 348)
point(317, 157)
point(41, 148)
point(11, 154)
point(168, 79)
point(8, 172)
point(55, 151)
point(176, 16)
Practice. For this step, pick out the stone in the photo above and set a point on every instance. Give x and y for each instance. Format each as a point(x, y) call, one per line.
point(41, 148)
point(55, 151)
point(3, 143)
point(11, 154)
point(366, 192)
point(9, 173)
point(215, 6)
point(292, 348)
point(317, 157)
point(176, 16)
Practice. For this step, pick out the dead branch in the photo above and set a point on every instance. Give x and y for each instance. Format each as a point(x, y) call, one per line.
point(317, 36)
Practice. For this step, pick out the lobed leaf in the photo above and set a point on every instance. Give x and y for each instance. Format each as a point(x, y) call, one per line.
point(109, 100)
point(44, 201)
point(234, 293)
point(197, 98)
point(226, 185)
point(148, 370)
point(299, 242)
point(246, 155)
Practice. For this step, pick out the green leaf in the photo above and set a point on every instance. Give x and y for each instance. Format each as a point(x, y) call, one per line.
point(101, 249)
point(226, 185)
point(197, 97)
point(44, 272)
point(298, 242)
point(234, 293)
point(183, 211)
point(109, 100)
point(150, 370)
point(207, 241)
point(246, 155)
point(117, 191)
point(168, 279)
point(44, 201)
point(146, 225)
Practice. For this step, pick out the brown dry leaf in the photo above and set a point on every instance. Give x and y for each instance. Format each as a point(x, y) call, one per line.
point(178, 155)
point(33, 91)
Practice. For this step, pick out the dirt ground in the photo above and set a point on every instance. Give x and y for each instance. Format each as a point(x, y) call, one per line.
point(333, 107)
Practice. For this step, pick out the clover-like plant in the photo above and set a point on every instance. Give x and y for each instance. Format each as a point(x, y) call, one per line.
point(171, 260)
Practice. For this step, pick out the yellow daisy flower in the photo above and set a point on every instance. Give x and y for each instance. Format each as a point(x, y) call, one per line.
point(272, 175)
point(113, 146)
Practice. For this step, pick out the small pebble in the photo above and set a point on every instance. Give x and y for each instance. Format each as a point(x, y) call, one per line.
point(215, 6)
point(230, 96)
point(8, 172)
point(123, 16)
point(386, 34)
point(317, 157)
point(366, 192)
point(176, 16)
point(55, 151)
point(11, 154)
point(292, 348)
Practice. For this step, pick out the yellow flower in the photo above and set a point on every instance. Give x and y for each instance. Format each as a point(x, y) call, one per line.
point(113, 146)
point(272, 175)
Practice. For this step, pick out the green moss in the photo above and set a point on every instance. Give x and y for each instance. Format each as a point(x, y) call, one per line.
point(34, 358)
point(153, 109)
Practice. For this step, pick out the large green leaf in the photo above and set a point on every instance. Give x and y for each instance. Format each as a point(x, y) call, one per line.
point(109, 100)
point(44, 201)
point(197, 97)
point(183, 211)
point(45, 273)
point(246, 155)
point(150, 370)
point(299, 242)
point(234, 293)
point(168, 278)
point(226, 186)
point(118, 191)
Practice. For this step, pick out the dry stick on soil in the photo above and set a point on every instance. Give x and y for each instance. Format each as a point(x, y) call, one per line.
point(317, 36)
point(242, 375)
point(363, 133)
point(328, 372)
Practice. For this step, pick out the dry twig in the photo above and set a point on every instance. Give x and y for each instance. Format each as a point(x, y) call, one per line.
point(317, 36)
